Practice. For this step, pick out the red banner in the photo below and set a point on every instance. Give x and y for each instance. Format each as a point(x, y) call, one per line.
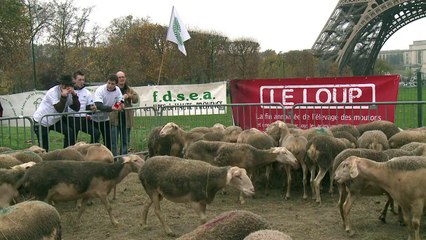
point(314, 101)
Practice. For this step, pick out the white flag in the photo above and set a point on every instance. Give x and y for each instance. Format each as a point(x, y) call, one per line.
point(177, 32)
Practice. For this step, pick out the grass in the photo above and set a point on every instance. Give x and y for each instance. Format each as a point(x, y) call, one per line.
point(406, 116)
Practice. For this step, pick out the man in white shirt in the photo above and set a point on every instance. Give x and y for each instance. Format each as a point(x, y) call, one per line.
point(46, 117)
point(81, 121)
point(107, 98)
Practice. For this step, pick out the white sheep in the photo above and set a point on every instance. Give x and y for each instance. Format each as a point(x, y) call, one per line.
point(184, 180)
point(401, 177)
point(407, 136)
point(63, 180)
point(268, 234)
point(373, 139)
point(30, 220)
point(349, 191)
point(229, 225)
point(94, 152)
point(389, 128)
point(167, 140)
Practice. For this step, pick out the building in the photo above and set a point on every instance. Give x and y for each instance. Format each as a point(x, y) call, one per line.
point(413, 59)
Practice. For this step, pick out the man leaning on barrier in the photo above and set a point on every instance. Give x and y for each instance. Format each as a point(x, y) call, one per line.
point(83, 121)
point(57, 100)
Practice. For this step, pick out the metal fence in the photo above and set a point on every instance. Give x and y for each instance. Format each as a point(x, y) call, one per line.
point(18, 132)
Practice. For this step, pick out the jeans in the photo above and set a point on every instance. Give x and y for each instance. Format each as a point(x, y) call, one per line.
point(105, 129)
point(117, 131)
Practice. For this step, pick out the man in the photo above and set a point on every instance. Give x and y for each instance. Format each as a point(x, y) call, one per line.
point(83, 121)
point(122, 121)
point(57, 100)
point(108, 98)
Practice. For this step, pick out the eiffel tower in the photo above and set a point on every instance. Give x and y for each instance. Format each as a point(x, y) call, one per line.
point(358, 29)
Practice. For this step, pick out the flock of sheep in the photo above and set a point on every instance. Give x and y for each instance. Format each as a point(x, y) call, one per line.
point(191, 166)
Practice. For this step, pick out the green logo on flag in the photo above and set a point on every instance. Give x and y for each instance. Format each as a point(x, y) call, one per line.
point(177, 30)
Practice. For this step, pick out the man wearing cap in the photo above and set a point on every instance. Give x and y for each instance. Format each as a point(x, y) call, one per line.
point(46, 117)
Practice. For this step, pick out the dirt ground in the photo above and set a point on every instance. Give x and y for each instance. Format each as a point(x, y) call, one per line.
point(298, 218)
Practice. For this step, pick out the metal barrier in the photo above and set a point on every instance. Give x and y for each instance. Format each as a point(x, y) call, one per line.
point(407, 114)
point(19, 135)
point(16, 132)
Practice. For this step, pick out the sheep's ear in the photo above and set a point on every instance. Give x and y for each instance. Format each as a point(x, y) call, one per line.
point(353, 169)
point(236, 172)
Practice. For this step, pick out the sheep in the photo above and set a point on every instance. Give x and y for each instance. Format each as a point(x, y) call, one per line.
point(9, 180)
point(5, 149)
point(231, 134)
point(268, 234)
point(36, 149)
point(353, 142)
point(297, 146)
point(33, 220)
point(25, 156)
point(94, 152)
point(66, 180)
point(185, 180)
point(312, 132)
point(358, 186)
point(401, 177)
point(277, 130)
point(232, 225)
point(373, 139)
point(412, 146)
point(320, 152)
point(389, 128)
point(407, 136)
point(349, 128)
point(260, 140)
point(167, 140)
point(62, 154)
point(7, 161)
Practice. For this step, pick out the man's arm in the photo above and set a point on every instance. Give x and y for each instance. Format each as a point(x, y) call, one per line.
point(60, 106)
point(75, 103)
point(104, 108)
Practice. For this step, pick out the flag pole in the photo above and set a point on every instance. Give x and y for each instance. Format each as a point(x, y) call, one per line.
point(165, 47)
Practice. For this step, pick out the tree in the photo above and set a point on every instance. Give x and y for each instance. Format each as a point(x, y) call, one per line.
point(245, 55)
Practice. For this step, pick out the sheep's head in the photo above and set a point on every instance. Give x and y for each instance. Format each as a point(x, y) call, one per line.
point(37, 149)
point(135, 161)
point(347, 170)
point(285, 156)
point(23, 166)
point(238, 178)
point(169, 129)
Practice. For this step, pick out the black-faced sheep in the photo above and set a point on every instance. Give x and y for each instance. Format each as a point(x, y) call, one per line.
point(401, 177)
point(407, 136)
point(183, 180)
point(64, 180)
point(349, 191)
point(320, 153)
point(230, 225)
point(268, 234)
point(33, 220)
point(389, 128)
point(373, 139)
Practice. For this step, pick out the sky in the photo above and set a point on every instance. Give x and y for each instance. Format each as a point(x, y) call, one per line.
point(280, 25)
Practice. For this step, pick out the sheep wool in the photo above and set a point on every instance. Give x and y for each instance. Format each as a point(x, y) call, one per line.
point(230, 225)
point(7, 161)
point(268, 234)
point(31, 220)
point(25, 156)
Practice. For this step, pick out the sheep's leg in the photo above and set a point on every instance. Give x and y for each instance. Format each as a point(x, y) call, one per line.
point(305, 176)
point(82, 209)
point(288, 173)
point(347, 206)
point(342, 198)
point(317, 183)
point(200, 209)
point(384, 212)
point(156, 200)
point(108, 207)
point(331, 190)
point(145, 211)
point(312, 170)
point(268, 173)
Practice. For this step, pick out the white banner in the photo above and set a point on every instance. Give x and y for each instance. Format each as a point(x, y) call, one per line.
point(170, 98)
